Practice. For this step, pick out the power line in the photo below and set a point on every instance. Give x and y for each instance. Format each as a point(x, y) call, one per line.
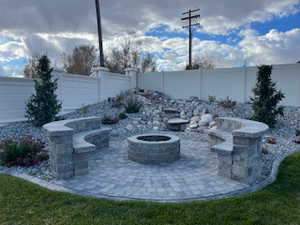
point(190, 17)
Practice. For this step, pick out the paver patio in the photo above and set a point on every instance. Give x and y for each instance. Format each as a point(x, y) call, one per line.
point(194, 176)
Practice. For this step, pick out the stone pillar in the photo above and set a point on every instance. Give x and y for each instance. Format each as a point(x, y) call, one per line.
point(246, 159)
point(133, 74)
point(61, 154)
point(99, 72)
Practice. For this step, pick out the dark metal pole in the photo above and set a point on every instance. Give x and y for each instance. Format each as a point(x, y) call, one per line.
point(190, 26)
point(190, 39)
point(99, 33)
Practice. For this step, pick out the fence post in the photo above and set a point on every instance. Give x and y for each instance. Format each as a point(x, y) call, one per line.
point(100, 71)
point(201, 85)
point(245, 84)
point(163, 82)
point(132, 73)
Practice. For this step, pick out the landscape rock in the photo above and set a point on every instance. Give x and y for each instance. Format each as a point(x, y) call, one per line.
point(154, 116)
point(206, 119)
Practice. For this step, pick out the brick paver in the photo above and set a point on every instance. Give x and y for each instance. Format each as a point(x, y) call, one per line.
point(194, 176)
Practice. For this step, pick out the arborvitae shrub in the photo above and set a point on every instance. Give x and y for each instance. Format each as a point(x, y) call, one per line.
point(43, 106)
point(266, 97)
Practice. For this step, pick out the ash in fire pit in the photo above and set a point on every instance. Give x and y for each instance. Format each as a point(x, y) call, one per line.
point(153, 148)
point(153, 138)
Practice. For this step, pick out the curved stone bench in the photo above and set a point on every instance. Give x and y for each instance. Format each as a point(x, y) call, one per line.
point(71, 142)
point(238, 145)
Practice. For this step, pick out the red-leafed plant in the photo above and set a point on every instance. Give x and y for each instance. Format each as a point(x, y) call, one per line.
point(25, 152)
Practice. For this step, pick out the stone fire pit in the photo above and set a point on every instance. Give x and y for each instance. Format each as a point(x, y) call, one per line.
point(153, 148)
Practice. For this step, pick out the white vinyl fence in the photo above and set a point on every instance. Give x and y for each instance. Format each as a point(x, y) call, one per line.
point(236, 83)
point(73, 91)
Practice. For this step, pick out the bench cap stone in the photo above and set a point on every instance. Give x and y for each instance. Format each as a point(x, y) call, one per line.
point(62, 127)
point(81, 145)
point(176, 121)
point(249, 128)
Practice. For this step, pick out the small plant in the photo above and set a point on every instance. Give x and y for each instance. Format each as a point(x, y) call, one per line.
point(120, 100)
point(227, 103)
point(132, 105)
point(123, 116)
point(43, 106)
point(266, 97)
point(212, 99)
point(25, 152)
point(109, 119)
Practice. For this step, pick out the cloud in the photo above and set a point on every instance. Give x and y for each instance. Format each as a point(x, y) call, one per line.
point(12, 50)
point(57, 16)
point(273, 48)
point(2, 71)
point(35, 26)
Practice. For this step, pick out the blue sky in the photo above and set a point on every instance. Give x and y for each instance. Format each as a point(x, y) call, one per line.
point(232, 33)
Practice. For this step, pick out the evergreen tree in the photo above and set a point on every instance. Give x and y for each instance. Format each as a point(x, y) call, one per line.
point(266, 97)
point(43, 106)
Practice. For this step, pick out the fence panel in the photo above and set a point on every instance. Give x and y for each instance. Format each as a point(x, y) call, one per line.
point(74, 91)
point(182, 84)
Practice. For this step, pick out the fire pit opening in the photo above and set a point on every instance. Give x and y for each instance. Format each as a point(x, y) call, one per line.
point(153, 138)
point(154, 148)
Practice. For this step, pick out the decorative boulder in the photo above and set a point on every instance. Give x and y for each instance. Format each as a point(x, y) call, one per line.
point(205, 111)
point(194, 122)
point(129, 127)
point(195, 119)
point(212, 125)
point(171, 113)
point(193, 125)
point(206, 119)
point(183, 115)
point(197, 111)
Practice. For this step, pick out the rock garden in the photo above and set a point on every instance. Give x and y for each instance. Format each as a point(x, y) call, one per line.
point(189, 119)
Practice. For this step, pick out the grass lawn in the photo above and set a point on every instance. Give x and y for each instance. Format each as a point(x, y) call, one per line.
point(28, 204)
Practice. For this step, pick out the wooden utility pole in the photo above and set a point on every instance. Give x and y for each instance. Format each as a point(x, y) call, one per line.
point(99, 33)
point(190, 17)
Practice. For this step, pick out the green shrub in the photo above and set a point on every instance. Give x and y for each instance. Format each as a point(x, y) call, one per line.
point(123, 116)
point(25, 152)
point(132, 104)
point(43, 106)
point(266, 97)
point(109, 119)
point(212, 99)
point(84, 109)
point(227, 103)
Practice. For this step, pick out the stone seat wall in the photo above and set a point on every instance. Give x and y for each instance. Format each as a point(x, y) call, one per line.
point(238, 143)
point(71, 142)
